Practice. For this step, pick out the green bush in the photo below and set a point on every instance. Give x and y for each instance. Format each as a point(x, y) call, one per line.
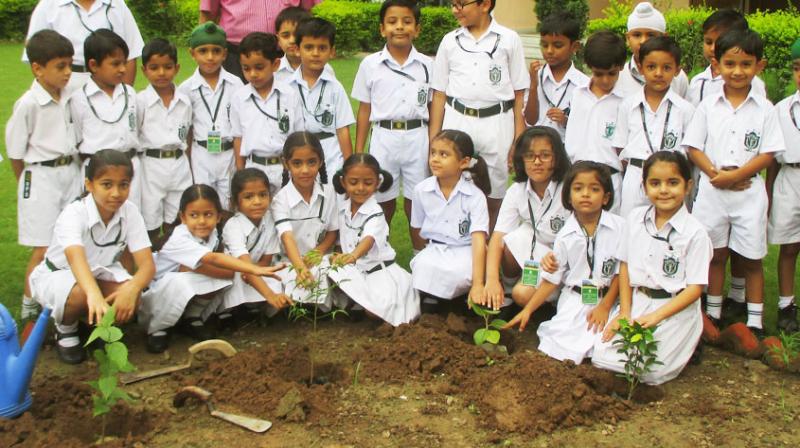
point(579, 9)
point(779, 30)
point(14, 18)
point(435, 23)
point(170, 19)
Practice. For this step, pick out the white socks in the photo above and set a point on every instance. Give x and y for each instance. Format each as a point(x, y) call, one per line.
point(754, 311)
point(736, 291)
point(71, 341)
point(714, 306)
point(783, 302)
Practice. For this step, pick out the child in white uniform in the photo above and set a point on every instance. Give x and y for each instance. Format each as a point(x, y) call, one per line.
point(104, 109)
point(450, 213)
point(369, 275)
point(165, 116)
point(250, 236)
point(652, 119)
point(263, 112)
point(81, 273)
point(326, 107)
point(531, 214)
point(190, 274)
point(664, 259)
point(210, 89)
point(40, 141)
point(285, 24)
point(585, 251)
point(305, 216)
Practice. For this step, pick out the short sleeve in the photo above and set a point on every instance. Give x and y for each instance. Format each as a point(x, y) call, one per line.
point(622, 247)
point(698, 258)
point(621, 132)
point(234, 239)
point(772, 133)
point(508, 218)
point(183, 250)
point(417, 213)
point(480, 214)
point(18, 130)
point(236, 113)
point(344, 112)
point(77, 110)
point(361, 84)
point(282, 213)
point(441, 66)
point(330, 218)
point(136, 234)
point(210, 6)
point(377, 228)
point(69, 227)
point(697, 131)
point(520, 78)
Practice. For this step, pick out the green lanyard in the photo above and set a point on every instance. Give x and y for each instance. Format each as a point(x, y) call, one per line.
point(533, 222)
point(78, 13)
point(319, 102)
point(591, 242)
point(216, 109)
point(654, 236)
point(277, 106)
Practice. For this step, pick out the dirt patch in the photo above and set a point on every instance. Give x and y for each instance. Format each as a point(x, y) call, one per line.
point(61, 415)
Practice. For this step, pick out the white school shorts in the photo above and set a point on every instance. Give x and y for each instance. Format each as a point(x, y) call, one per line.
point(51, 288)
point(135, 192)
point(48, 191)
point(565, 336)
point(164, 303)
point(215, 170)
point(784, 218)
point(677, 337)
point(163, 183)
point(404, 154)
point(632, 193)
point(734, 219)
point(443, 271)
point(386, 293)
point(334, 160)
point(492, 137)
point(274, 174)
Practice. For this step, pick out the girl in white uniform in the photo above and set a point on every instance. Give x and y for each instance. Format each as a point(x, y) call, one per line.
point(305, 216)
point(665, 255)
point(251, 237)
point(190, 274)
point(369, 275)
point(81, 272)
point(531, 213)
point(585, 251)
point(449, 212)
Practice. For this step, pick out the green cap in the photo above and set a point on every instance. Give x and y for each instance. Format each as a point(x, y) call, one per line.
point(208, 33)
point(796, 50)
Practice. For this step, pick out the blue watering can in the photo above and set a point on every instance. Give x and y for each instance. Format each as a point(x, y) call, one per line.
point(16, 366)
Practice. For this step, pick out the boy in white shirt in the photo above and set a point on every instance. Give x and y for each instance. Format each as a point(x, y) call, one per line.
point(732, 137)
point(285, 25)
point(40, 142)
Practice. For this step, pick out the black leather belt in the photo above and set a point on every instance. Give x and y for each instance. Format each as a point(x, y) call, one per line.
point(407, 125)
point(60, 161)
point(654, 293)
point(380, 266)
point(265, 160)
point(485, 112)
point(227, 145)
point(164, 154)
point(79, 69)
point(791, 165)
point(602, 291)
point(638, 163)
point(324, 135)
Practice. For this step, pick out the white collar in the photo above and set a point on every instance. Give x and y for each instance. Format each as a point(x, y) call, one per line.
point(294, 197)
point(91, 88)
point(41, 95)
point(413, 55)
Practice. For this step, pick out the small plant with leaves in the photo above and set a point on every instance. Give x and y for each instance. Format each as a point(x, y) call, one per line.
point(639, 347)
point(491, 327)
point(789, 347)
point(111, 360)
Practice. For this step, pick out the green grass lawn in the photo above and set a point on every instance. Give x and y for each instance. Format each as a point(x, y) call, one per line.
point(16, 78)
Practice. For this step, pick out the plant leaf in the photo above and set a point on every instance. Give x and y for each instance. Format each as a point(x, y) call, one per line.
point(120, 394)
point(480, 336)
point(100, 406)
point(492, 336)
point(636, 338)
point(108, 318)
point(114, 334)
point(107, 384)
point(498, 323)
point(117, 354)
point(95, 334)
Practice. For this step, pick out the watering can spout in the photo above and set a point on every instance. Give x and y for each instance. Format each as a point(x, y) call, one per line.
point(16, 366)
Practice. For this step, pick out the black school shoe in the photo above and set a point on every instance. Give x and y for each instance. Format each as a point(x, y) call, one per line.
point(70, 355)
point(157, 343)
point(733, 311)
point(757, 332)
point(787, 319)
point(195, 329)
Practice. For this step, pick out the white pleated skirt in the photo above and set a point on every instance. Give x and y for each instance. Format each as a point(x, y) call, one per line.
point(443, 271)
point(164, 303)
point(240, 292)
point(386, 293)
point(565, 337)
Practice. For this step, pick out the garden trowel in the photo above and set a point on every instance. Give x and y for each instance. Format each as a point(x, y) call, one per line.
point(253, 424)
point(212, 344)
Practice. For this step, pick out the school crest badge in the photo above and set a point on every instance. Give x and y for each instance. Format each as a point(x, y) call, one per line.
point(556, 223)
point(670, 139)
point(608, 267)
point(183, 131)
point(495, 74)
point(422, 96)
point(463, 226)
point(132, 121)
point(326, 118)
point(670, 266)
point(608, 132)
point(283, 124)
point(751, 140)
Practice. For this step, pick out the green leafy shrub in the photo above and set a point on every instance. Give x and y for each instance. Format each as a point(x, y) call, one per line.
point(170, 19)
point(579, 9)
point(14, 18)
point(639, 347)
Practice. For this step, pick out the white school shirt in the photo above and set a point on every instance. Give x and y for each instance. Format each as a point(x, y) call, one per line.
point(367, 221)
point(326, 99)
point(73, 22)
point(630, 81)
point(197, 89)
point(79, 224)
point(390, 94)
point(450, 221)
point(651, 262)
point(308, 221)
point(183, 249)
point(573, 250)
point(40, 128)
point(731, 137)
point(704, 84)
point(663, 135)
point(162, 127)
point(256, 120)
point(557, 94)
point(285, 71)
point(103, 122)
point(548, 211)
point(241, 237)
point(591, 127)
point(788, 110)
point(480, 72)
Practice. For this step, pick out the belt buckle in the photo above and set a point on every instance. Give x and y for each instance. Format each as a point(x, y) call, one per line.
point(169, 154)
point(273, 160)
point(398, 125)
point(470, 112)
point(64, 160)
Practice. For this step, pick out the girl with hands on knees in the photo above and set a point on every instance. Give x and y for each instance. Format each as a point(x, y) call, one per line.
point(368, 274)
point(665, 255)
point(530, 216)
point(305, 215)
point(586, 254)
point(81, 274)
point(190, 272)
point(449, 212)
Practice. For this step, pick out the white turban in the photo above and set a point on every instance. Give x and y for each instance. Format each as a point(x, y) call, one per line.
point(644, 15)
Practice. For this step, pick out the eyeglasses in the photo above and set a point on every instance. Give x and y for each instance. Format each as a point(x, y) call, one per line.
point(543, 157)
point(460, 6)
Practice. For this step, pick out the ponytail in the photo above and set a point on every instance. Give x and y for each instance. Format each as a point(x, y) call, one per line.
point(480, 174)
point(464, 146)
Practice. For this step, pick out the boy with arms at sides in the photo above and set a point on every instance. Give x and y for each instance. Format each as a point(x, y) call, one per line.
point(555, 82)
point(393, 87)
point(479, 81)
point(733, 136)
point(326, 106)
point(645, 22)
point(104, 109)
point(210, 89)
point(263, 112)
point(164, 116)
point(285, 25)
point(593, 118)
point(40, 141)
